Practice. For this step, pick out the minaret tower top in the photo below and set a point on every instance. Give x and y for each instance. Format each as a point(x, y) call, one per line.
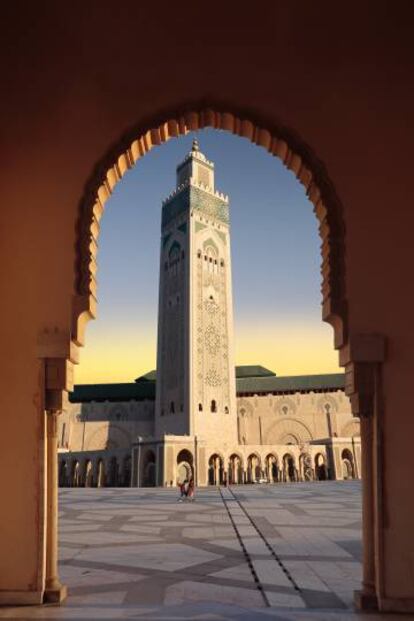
point(196, 169)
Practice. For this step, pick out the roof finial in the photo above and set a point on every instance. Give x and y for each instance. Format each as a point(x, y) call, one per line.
point(195, 146)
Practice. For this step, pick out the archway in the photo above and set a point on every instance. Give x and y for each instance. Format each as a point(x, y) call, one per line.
point(75, 474)
point(305, 467)
point(279, 142)
point(185, 467)
point(100, 474)
point(235, 470)
point(320, 467)
point(289, 468)
point(254, 471)
point(88, 474)
point(148, 469)
point(113, 472)
point(215, 470)
point(348, 469)
point(272, 468)
point(63, 474)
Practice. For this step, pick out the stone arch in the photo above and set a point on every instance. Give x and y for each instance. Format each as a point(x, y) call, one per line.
point(148, 469)
point(327, 404)
point(290, 429)
point(306, 471)
point(235, 468)
point(215, 474)
point(348, 466)
point(321, 471)
point(253, 467)
point(351, 429)
point(75, 474)
point(272, 467)
point(63, 474)
point(185, 465)
point(289, 472)
point(88, 473)
point(285, 406)
point(278, 140)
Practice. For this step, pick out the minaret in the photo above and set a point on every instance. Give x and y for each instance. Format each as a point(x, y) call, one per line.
point(196, 393)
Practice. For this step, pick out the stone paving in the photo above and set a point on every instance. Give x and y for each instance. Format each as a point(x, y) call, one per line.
point(248, 552)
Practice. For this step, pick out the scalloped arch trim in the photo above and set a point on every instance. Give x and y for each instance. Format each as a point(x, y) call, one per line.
point(278, 140)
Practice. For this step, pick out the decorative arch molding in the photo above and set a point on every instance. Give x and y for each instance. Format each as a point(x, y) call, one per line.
point(238, 455)
point(277, 139)
point(289, 427)
point(256, 455)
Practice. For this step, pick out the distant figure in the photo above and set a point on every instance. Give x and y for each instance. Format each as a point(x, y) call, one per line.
point(191, 489)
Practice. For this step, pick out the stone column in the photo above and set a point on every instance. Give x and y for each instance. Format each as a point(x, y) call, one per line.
point(216, 471)
point(366, 599)
point(54, 590)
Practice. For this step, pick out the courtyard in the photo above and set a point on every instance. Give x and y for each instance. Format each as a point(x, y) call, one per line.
point(287, 551)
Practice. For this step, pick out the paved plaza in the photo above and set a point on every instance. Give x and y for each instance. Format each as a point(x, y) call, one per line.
point(249, 552)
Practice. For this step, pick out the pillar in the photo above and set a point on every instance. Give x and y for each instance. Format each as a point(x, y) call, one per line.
point(54, 590)
point(366, 598)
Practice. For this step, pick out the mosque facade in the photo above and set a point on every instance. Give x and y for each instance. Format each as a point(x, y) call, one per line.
point(199, 415)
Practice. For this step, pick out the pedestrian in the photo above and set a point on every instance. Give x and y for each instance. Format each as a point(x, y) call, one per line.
point(183, 490)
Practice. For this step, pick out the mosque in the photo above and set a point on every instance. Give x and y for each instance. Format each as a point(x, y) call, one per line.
point(198, 415)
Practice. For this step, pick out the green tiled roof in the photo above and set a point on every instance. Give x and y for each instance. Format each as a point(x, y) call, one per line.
point(254, 380)
point(113, 392)
point(253, 385)
point(253, 371)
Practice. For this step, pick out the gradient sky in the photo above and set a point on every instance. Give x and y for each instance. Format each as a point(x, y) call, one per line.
point(275, 261)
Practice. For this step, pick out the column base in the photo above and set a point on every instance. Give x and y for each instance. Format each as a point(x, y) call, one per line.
point(55, 595)
point(365, 601)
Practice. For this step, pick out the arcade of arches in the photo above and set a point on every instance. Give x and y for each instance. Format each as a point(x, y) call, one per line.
point(301, 431)
point(78, 118)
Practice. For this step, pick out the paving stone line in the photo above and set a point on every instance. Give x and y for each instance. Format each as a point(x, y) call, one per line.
point(258, 584)
point(267, 544)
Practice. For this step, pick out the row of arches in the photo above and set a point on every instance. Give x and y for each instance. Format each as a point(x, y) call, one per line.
point(271, 469)
point(95, 472)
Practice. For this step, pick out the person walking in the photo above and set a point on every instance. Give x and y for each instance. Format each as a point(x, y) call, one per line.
point(183, 490)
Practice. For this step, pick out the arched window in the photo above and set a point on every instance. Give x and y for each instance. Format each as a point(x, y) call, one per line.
point(172, 407)
point(213, 406)
point(226, 410)
point(200, 407)
point(199, 254)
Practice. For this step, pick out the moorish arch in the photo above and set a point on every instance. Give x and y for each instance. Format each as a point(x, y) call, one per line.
point(362, 354)
point(278, 140)
point(289, 431)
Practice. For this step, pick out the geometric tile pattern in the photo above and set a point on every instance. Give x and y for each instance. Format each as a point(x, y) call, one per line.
point(247, 552)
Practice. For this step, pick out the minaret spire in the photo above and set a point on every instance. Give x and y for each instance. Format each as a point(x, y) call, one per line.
point(195, 146)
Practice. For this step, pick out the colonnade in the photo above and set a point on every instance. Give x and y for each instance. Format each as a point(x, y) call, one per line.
point(95, 471)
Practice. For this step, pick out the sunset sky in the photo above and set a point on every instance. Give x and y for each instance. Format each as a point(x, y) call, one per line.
point(275, 262)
